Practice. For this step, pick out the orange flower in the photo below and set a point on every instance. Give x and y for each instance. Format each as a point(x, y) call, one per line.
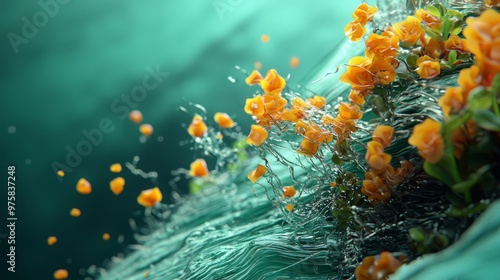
point(357, 97)
point(383, 70)
point(376, 158)
point(483, 38)
point(289, 191)
point(223, 120)
point(254, 78)
point(317, 101)
point(354, 31)
point(382, 45)
point(135, 116)
point(364, 13)
point(308, 148)
point(381, 268)
point(272, 82)
point(492, 3)
point(198, 168)
point(61, 274)
point(409, 30)
point(427, 138)
point(456, 43)
point(255, 174)
point(149, 198)
point(257, 135)
point(428, 19)
point(357, 75)
point(461, 137)
point(350, 111)
point(452, 101)
point(375, 188)
point(468, 79)
point(434, 48)
point(428, 68)
point(394, 178)
point(197, 127)
point(383, 134)
point(254, 106)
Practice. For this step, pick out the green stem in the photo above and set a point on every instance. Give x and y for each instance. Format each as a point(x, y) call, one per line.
point(495, 103)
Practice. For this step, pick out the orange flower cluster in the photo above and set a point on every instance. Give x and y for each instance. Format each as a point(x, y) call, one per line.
point(382, 177)
point(377, 268)
point(270, 109)
point(355, 30)
point(427, 138)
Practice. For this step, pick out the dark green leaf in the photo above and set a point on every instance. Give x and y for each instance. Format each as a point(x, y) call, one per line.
point(487, 120)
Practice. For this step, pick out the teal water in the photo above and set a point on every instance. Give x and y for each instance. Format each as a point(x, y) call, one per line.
point(65, 79)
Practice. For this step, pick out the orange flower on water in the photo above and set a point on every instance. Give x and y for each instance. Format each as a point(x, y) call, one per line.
point(483, 39)
point(383, 69)
point(354, 31)
point(428, 19)
point(380, 268)
point(135, 116)
point(257, 135)
point(428, 68)
point(452, 101)
point(456, 43)
point(357, 75)
point(149, 198)
point(223, 120)
point(272, 82)
point(350, 111)
point(317, 101)
point(409, 30)
point(197, 127)
point(254, 106)
point(376, 158)
point(364, 13)
point(385, 45)
point(255, 174)
point(357, 97)
point(383, 134)
point(198, 168)
point(468, 79)
point(375, 188)
point(254, 78)
point(428, 140)
point(308, 148)
point(289, 191)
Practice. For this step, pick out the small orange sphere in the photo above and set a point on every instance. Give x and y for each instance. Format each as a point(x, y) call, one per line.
point(60, 173)
point(83, 186)
point(294, 62)
point(75, 212)
point(106, 236)
point(135, 116)
point(60, 274)
point(264, 38)
point(116, 168)
point(289, 191)
point(223, 120)
point(257, 65)
point(289, 207)
point(51, 240)
point(146, 129)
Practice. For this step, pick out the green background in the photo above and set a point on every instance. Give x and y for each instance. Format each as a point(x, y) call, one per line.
point(65, 78)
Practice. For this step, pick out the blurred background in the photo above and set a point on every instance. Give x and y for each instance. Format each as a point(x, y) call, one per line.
point(68, 68)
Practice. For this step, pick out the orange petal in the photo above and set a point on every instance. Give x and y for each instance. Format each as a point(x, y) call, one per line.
point(257, 135)
point(83, 186)
point(150, 197)
point(198, 168)
point(255, 174)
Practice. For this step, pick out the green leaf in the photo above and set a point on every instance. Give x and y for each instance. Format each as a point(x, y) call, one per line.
point(487, 120)
point(452, 57)
point(336, 159)
point(433, 10)
point(438, 172)
point(417, 234)
point(456, 14)
point(454, 122)
point(466, 185)
point(479, 99)
point(446, 28)
point(412, 60)
point(495, 84)
point(464, 57)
